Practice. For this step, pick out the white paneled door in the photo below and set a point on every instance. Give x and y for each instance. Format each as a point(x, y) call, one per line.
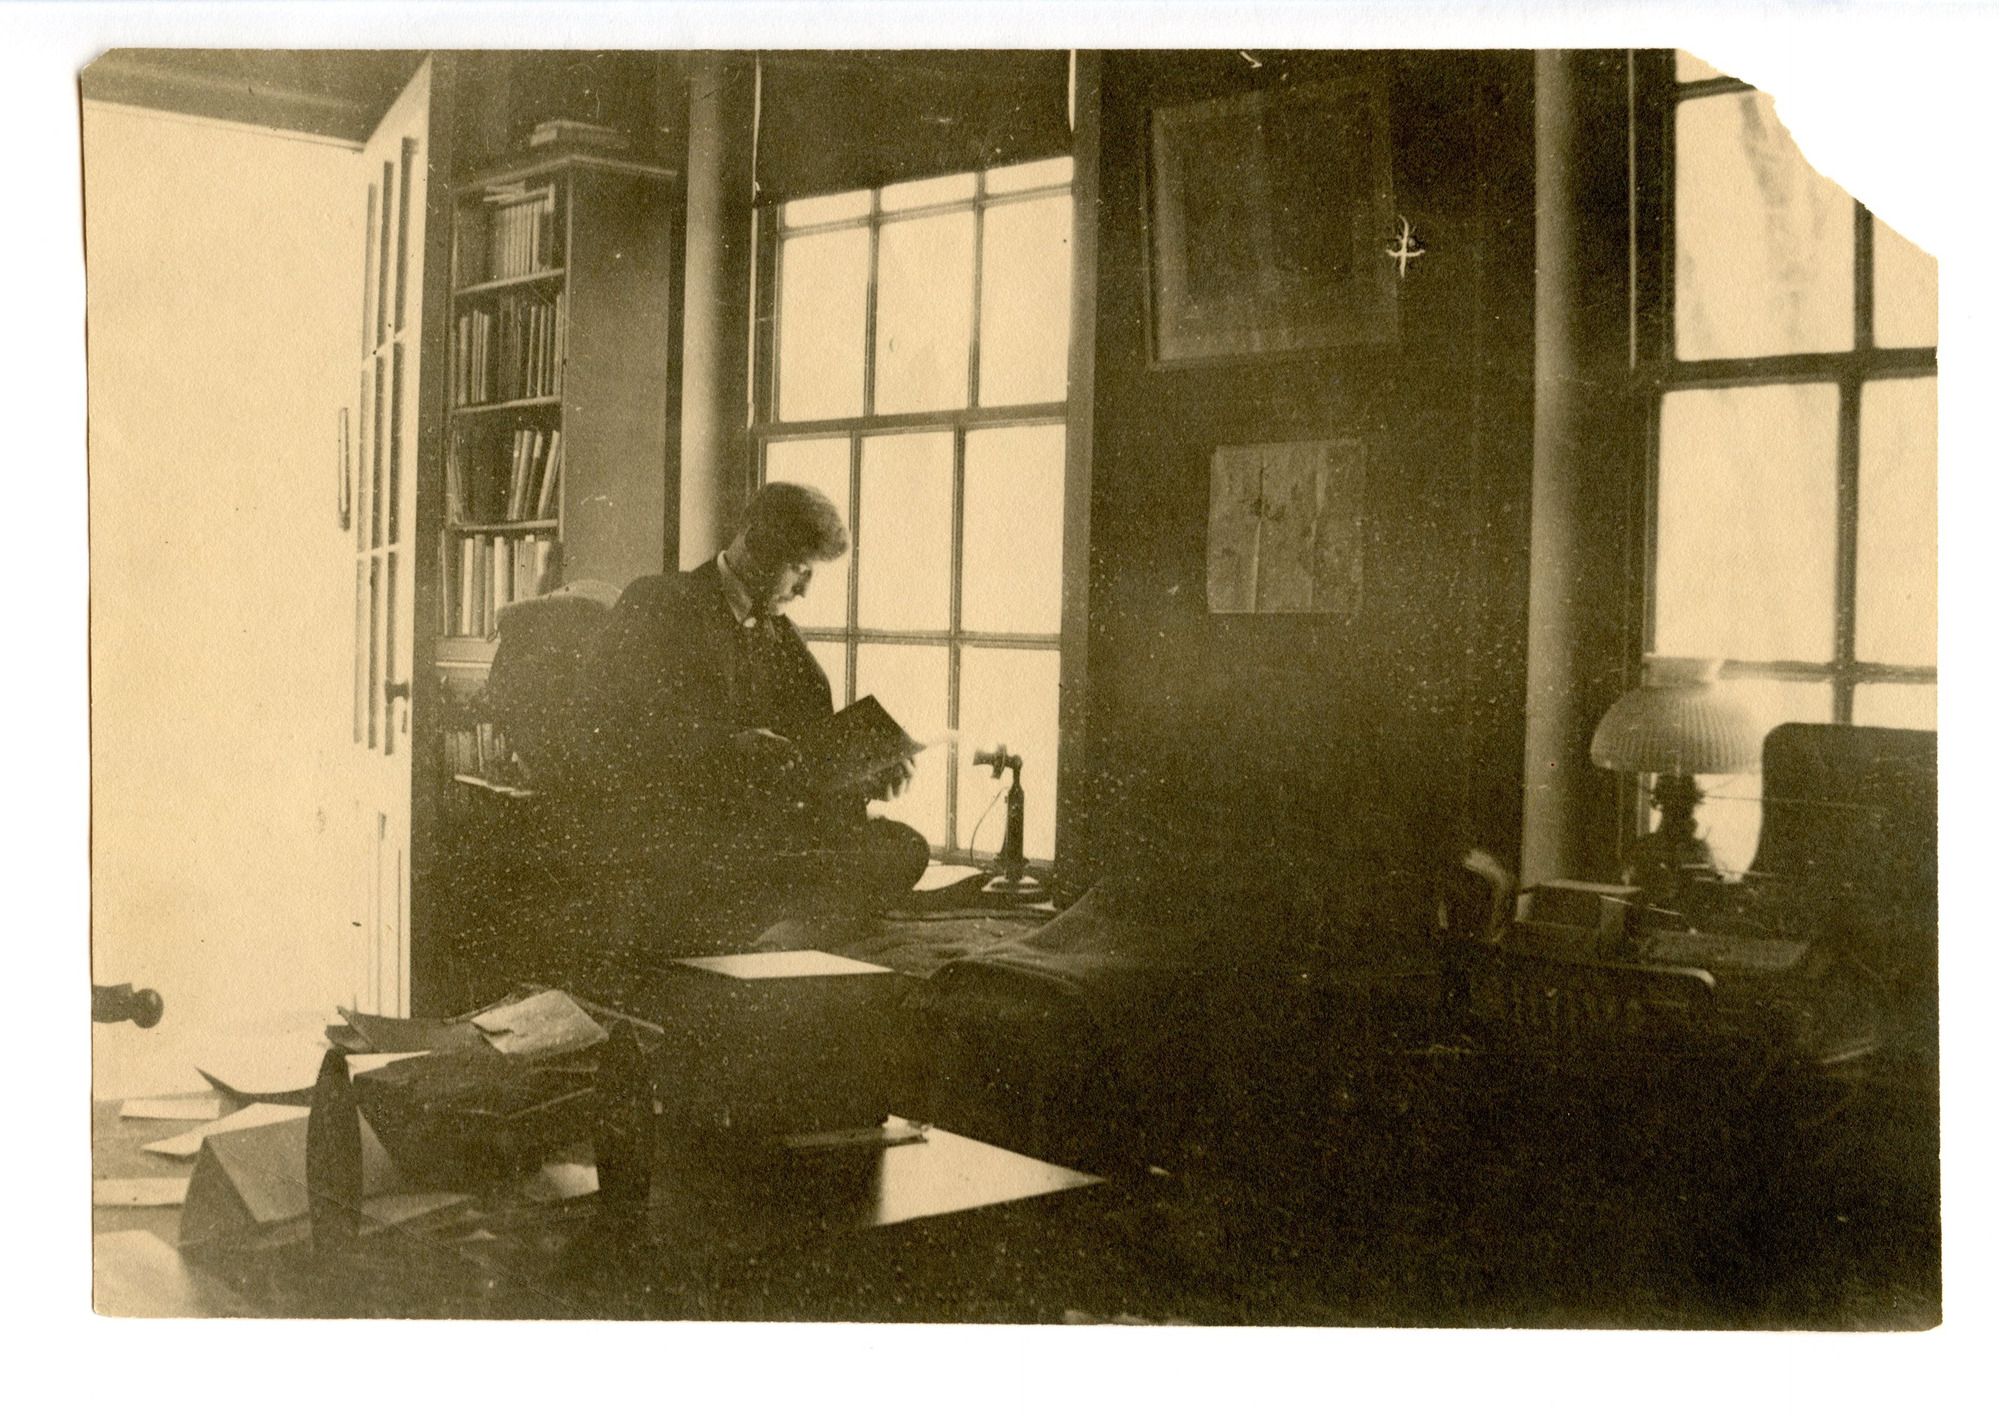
point(382, 474)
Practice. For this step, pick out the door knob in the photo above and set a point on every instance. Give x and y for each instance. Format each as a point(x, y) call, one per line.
point(395, 689)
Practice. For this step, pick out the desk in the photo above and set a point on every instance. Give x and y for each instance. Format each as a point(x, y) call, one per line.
point(735, 1231)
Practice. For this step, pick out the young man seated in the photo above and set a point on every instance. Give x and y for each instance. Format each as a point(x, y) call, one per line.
point(693, 695)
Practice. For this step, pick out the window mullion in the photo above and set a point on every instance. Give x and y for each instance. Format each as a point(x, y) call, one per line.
point(1846, 574)
point(853, 648)
point(855, 530)
point(868, 325)
point(1863, 278)
point(1847, 555)
point(972, 396)
point(954, 656)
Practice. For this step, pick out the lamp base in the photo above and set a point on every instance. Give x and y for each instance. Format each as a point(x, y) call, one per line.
point(1662, 861)
point(1024, 892)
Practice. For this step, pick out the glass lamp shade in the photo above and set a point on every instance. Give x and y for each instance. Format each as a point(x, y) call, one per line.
point(1677, 723)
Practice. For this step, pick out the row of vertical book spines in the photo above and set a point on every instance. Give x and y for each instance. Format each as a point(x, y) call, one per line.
point(494, 571)
point(517, 238)
point(513, 351)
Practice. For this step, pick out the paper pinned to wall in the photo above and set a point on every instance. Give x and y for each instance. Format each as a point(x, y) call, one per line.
point(1285, 522)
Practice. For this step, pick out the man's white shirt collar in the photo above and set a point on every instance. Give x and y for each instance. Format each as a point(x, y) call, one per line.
point(741, 603)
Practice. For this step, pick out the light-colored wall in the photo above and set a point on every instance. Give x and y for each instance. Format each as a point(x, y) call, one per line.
point(223, 308)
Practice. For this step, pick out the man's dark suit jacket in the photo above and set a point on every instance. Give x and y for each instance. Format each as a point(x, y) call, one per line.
point(672, 678)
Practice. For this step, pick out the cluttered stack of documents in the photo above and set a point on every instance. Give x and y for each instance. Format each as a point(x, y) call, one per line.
point(448, 1108)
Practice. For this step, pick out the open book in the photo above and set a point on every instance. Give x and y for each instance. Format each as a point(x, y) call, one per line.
point(847, 752)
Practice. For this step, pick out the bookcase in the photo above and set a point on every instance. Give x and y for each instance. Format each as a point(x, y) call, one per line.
point(560, 376)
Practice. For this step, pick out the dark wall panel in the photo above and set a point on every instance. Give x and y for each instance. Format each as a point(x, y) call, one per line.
point(1280, 748)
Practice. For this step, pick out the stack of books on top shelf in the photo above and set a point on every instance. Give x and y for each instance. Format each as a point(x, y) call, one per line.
point(516, 239)
point(557, 134)
point(527, 488)
point(512, 351)
point(496, 571)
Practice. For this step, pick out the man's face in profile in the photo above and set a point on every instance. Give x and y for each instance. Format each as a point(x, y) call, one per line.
point(787, 584)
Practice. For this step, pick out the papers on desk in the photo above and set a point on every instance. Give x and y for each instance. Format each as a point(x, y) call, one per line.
point(188, 1143)
point(561, 1181)
point(782, 965)
point(548, 1023)
point(385, 1035)
point(401, 1208)
point(358, 1064)
point(262, 1069)
point(187, 1107)
point(249, 1180)
point(138, 1191)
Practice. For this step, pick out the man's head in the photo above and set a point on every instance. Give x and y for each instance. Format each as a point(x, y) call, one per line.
point(788, 528)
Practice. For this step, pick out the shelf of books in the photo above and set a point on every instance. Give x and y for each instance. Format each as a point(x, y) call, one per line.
point(509, 338)
point(559, 376)
point(503, 523)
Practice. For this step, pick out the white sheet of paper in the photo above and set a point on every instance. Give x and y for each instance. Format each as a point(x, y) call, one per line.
point(358, 1064)
point(193, 1108)
point(561, 1181)
point(548, 1023)
point(138, 1191)
point(782, 965)
point(186, 1144)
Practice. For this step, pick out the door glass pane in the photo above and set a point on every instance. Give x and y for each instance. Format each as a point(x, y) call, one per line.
point(395, 493)
point(375, 463)
point(374, 649)
point(1896, 706)
point(1905, 291)
point(382, 252)
point(360, 648)
point(1764, 256)
point(928, 192)
point(923, 314)
point(817, 463)
point(368, 275)
point(403, 229)
point(1896, 585)
point(832, 658)
point(902, 539)
point(1746, 522)
point(1013, 529)
point(1732, 813)
point(1010, 697)
point(361, 491)
point(911, 681)
point(1024, 303)
point(1024, 177)
point(392, 652)
point(822, 312)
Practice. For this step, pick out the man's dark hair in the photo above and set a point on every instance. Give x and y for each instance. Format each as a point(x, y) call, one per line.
point(790, 523)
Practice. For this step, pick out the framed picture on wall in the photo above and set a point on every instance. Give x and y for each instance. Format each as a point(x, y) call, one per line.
point(1269, 215)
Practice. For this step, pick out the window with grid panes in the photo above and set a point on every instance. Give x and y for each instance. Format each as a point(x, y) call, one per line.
point(1794, 507)
point(914, 366)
